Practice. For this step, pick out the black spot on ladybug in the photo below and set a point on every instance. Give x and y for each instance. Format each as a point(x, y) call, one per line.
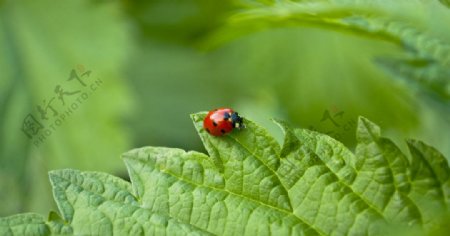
point(215, 124)
point(222, 131)
point(207, 130)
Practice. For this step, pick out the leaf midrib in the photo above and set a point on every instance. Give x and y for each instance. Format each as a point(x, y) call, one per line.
point(165, 171)
point(274, 172)
point(366, 201)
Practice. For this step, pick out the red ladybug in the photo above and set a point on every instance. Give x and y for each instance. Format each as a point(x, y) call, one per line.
point(222, 121)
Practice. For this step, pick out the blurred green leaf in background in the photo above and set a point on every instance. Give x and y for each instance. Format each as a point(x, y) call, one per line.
point(41, 42)
point(318, 64)
point(297, 60)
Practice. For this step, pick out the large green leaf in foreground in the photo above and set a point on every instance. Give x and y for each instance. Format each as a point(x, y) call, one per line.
point(249, 185)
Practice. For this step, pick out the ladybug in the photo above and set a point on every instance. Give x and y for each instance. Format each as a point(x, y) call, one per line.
point(222, 121)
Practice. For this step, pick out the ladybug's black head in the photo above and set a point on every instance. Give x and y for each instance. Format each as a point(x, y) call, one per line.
point(237, 121)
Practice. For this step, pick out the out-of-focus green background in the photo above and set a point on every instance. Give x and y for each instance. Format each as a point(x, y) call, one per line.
point(144, 66)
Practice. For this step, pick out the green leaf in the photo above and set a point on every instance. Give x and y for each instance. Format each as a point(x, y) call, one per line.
point(381, 20)
point(24, 224)
point(430, 174)
point(422, 75)
point(445, 3)
point(383, 178)
point(317, 181)
point(100, 204)
point(249, 185)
